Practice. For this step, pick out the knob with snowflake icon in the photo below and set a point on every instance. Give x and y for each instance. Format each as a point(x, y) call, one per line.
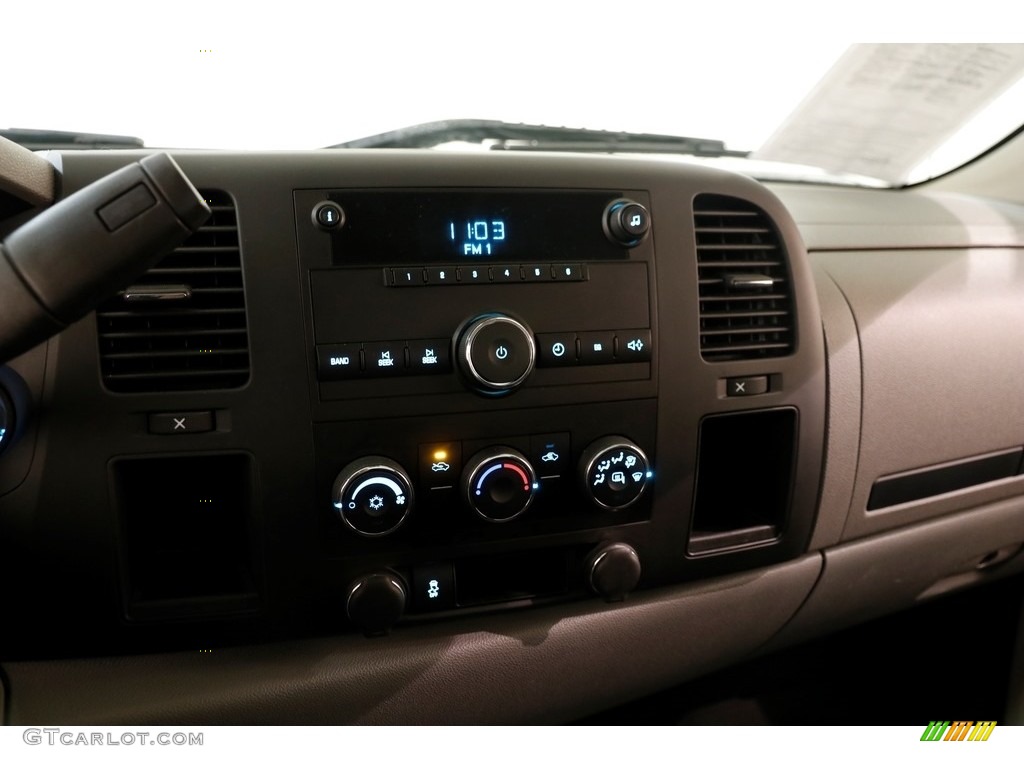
point(372, 495)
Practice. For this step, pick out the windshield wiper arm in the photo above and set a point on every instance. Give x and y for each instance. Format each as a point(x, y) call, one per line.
point(498, 135)
point(36, 138)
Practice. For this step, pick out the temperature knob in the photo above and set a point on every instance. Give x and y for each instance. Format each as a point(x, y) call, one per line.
point(499, 484)
point(614, 472)
point(372, 495)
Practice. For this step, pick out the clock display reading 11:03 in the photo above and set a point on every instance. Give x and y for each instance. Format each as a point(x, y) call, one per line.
point(479, 237)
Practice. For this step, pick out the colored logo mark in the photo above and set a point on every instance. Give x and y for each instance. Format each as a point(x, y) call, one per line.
point(959, 730)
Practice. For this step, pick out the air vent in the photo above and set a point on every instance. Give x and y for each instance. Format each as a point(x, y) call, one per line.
point(745, 294)
point(181, 326)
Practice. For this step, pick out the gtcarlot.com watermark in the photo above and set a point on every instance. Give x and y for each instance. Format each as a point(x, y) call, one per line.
point(61, 737)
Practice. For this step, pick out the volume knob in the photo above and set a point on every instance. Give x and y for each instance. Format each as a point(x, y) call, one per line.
point(496, 353)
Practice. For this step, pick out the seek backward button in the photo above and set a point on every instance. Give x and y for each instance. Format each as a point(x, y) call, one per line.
point(384, 358)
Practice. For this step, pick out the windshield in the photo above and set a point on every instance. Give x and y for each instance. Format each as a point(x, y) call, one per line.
point(308, 75)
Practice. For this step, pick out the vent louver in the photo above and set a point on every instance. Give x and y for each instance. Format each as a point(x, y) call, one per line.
point(194, 336)
point(743, 281)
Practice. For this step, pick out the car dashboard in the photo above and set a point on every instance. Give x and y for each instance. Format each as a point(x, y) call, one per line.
point(419, 437)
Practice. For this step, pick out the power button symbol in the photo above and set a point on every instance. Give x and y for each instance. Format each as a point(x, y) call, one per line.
point(496, 353)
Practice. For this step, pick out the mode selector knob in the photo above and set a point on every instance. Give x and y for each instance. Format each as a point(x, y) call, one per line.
point(499, 484)
point(372, 495)
point(614, 472)
point(496, 353)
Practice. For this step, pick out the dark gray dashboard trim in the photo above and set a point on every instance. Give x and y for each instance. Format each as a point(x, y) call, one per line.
point(899, 569)
point(550, 665)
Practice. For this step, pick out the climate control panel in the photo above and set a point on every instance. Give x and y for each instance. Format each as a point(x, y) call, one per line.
point(374, 495)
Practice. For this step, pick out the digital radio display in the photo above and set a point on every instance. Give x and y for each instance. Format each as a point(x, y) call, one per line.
point(385, 227)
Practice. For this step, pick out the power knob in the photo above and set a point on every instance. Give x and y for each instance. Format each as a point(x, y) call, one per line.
point(372, 495)
point(499, 484)
point(496, 353)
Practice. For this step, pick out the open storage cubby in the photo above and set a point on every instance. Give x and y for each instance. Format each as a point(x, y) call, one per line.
point(744, 479)
point(187, 543)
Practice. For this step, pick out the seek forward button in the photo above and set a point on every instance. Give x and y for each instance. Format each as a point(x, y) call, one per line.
point(430, 356)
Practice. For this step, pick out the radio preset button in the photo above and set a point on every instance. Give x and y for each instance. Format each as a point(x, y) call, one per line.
point(442, 275)
point(407, 276)
point(537, 273)
point(500, 273)
point(505, 274)
point(473, 275)
point(567, 272)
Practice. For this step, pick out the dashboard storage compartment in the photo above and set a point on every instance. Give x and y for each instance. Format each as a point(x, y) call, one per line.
point(186, 541)
point(744, 479)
